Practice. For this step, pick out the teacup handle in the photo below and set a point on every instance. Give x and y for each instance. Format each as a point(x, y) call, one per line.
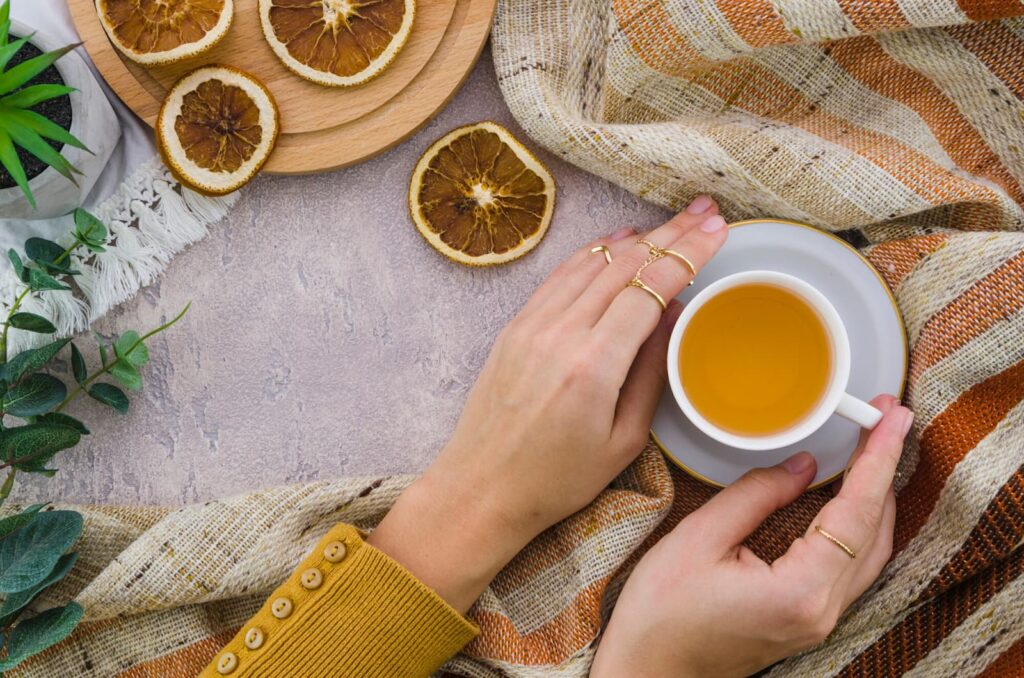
point(858, 411)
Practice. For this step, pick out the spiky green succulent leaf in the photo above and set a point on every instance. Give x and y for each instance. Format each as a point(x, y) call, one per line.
point(9, 159)
point(32, 95)
point(19, 75)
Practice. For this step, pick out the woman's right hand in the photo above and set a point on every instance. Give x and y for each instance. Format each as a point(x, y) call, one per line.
point(563, 404)
point(699, 603)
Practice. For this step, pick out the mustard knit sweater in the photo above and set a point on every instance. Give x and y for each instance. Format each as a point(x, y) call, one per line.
point(348, 610)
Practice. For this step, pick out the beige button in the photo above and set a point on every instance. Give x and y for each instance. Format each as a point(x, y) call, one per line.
point(312, 578)
point(254, 638)
point(335, 552)
point(281, 608)
point(227, 663)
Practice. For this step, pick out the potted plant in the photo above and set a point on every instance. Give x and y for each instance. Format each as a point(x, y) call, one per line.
point(49, 99)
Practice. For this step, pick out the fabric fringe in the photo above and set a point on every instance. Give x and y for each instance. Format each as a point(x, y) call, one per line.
point(150, 218)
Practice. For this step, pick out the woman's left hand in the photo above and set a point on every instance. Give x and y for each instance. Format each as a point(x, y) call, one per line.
point(700, 603)
point(563, 404)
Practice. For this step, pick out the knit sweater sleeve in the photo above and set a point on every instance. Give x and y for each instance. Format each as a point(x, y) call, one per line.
point(347, 610)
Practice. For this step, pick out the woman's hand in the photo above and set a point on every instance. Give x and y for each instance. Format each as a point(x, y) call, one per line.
point(563, 404)
point(699, 603)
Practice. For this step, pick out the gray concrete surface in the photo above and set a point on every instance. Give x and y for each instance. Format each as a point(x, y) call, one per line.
point(325, 337)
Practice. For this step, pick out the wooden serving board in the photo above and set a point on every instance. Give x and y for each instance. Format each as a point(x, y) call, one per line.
point(322, 128)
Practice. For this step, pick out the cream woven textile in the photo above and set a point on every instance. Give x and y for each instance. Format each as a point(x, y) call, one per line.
point(900, 124)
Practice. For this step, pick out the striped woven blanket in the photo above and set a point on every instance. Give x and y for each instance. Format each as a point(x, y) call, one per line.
point(898, 124)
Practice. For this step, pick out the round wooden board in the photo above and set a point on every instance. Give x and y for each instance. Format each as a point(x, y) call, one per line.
point(322, 128)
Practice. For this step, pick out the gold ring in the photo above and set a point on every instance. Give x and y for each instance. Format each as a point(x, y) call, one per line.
point(846, 549)
point(660, 252)
point(601, 248)
point(640, 284)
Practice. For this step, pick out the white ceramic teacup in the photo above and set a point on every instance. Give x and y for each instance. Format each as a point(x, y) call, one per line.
point(835, 400)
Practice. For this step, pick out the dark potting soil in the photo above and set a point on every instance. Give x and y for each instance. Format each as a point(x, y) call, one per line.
point(57, 110)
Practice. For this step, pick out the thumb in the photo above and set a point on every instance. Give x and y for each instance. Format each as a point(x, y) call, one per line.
point(732, 514)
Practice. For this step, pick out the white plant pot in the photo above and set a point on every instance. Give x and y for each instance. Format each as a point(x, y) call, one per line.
point(93, 121)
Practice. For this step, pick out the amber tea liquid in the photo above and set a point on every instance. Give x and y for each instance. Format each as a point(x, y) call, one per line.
point(755, 360)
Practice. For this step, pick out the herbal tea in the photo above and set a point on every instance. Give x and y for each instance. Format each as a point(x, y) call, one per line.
point(755, 359)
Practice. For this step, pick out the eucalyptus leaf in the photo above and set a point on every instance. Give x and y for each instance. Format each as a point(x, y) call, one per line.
point(131, 349)
point(89, 230)
point(30, 360)
point(28, 555)
point(16, 601)
point(61, 419)
point(78, 365)
point(19, 267)
point(34, 635)
point(31, 322)
point(35, 394)
point(126, 374)
point(49, 255)
point(108, 394)
point(11, 523)
point(40, 282)
point(31, 444)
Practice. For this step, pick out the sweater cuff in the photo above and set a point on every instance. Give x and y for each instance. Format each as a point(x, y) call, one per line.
point(347, 610)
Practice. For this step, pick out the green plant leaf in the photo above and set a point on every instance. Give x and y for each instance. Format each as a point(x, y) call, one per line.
point(49, 255)
point(19, 268)
point(61, 419)
point(37, 146)
point(90, 231)
point(102, 348)
point(78, 365)
point(41, 126)
point(108, 394)
point(41, 282)
point(32, 445)
point(26, 70)
point(11, 48)
point(34, 635)
point(131, 349)
point(31, 322)
point(16, 601)
point(12, 523)
point(30, 360)
point(127, 375)
point(33, 395)
point(9, 159)
point(27, 97)
point(29, 554)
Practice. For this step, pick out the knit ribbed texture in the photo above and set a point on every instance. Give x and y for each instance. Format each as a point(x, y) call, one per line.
point(369, 617)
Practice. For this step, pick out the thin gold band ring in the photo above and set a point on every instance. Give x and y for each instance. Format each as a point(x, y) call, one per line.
point(827, 535)
point(659, 252)
point(641, 285)
point(604, 250)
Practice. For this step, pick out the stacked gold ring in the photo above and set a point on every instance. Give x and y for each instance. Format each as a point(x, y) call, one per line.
point(604, 250)
point(659, 252)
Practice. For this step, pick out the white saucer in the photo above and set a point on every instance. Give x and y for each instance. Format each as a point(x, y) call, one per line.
point(877, 343)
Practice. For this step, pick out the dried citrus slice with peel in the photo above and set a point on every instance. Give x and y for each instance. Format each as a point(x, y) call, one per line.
point(480, 197)
point(216, 128)
point(336, 42)
point(164, 31)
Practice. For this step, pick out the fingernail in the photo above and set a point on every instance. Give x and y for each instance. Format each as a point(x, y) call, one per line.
point(700, 204)
point(798, 463)
point(712, 224)
point(621, 233)
point(908, 421)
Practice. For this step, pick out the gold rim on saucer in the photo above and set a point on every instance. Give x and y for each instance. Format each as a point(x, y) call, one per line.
point(892, 299)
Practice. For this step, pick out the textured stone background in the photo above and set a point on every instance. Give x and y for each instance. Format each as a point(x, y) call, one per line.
point(325, 337)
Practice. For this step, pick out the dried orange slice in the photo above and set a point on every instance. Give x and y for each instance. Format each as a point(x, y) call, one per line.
point(216, 128)
point(336, 42)
point(480, 197)
point(165, 31)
